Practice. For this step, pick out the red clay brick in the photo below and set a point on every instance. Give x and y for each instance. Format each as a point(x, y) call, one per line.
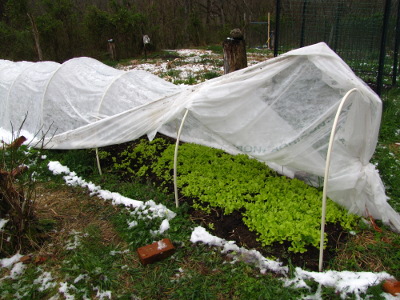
point(156, 251)
point(392, 287)
point(26, 259)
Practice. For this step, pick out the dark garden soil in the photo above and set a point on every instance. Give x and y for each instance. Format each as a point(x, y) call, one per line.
point(231, 227)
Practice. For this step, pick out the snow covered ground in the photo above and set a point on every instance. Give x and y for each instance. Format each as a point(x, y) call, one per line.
point(192, 63)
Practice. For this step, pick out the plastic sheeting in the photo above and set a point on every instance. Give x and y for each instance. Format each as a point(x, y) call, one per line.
point(279, 111)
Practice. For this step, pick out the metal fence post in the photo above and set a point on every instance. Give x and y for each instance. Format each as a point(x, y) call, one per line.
point(382, 52)
point(303, 23)
point(339, 12)
point(396, 46)
point(277, 23)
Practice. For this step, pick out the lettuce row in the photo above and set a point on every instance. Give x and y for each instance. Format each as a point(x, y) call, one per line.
point(277, 208)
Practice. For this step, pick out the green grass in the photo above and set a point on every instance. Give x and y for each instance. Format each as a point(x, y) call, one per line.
point(193, 272)
point(387, 154)
point(215, 48)
point(94, 264)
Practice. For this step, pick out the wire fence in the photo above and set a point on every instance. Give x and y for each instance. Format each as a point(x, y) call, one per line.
point(363, 32)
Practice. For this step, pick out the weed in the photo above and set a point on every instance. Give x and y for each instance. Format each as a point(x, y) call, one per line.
point(83, 162)
point(19, 171)
point(189, 81)
point(215, 48)
point(210, 75)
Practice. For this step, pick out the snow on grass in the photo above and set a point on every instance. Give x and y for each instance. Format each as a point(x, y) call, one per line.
point(191, 64)
point(65, 289)
point(45, 280)
point(17, 270)
point(102, 294)
point(152, 68)
point(76, 240)
point(193, 52)
point(344, 282)
point(150, 208)
point(9, 262)
point(200, 234)
point(163, 227)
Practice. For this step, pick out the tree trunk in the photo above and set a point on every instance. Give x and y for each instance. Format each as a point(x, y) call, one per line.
point(235, 57)
point(36, 37)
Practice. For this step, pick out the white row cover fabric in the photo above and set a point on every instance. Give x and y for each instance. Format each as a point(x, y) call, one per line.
point(279, 111)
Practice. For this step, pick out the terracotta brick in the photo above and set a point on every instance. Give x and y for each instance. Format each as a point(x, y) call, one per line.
point(156, 251)
point(26, 259)
point(392, 287)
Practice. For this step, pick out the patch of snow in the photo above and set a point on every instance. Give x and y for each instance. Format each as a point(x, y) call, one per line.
point(9, 262)
point(102, 294)
point(154, 69)
point(388, 296)
point(64, 289)
point(113, 253)
point(192, 52)
point(45, 281)
point(57, 168)
point(80, 277)
point(132, 224)
point(76, 241)
point(200, 234)
point(72, 179)
point(344, 282)
point(178, 275)
point(153, 210)
point(7, 137)
point(163, 227)
point(17, 270)
point(161, 245)
point(3, 222)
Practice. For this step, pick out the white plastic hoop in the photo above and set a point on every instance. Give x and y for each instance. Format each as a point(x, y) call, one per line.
point(98, 162)
point(327, 164)
point(176, 158)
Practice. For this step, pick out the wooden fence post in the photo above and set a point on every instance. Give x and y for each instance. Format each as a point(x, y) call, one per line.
point(234, 47)
point(111, 49)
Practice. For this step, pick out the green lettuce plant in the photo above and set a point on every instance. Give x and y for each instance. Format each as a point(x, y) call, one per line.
point(279, 209)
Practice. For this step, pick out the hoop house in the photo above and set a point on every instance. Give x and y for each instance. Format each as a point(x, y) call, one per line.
point(280, 111)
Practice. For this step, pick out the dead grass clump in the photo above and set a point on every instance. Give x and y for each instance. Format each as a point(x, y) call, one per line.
point(73, 210)
point(366, 251)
